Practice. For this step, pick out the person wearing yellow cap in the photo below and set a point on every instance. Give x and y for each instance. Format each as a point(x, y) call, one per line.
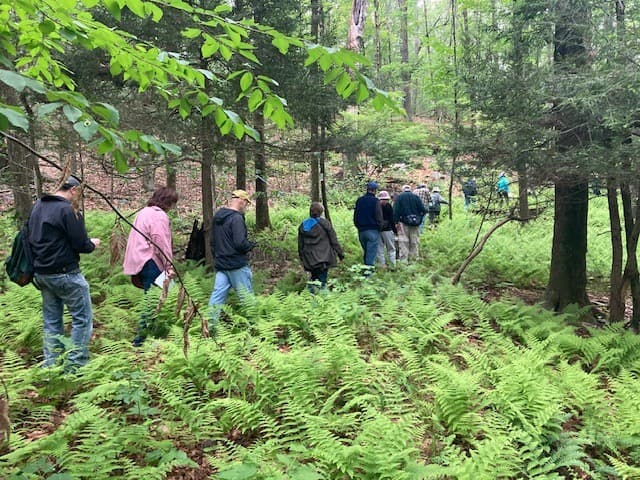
point(229, 246)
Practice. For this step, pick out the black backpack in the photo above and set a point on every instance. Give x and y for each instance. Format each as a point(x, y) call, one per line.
point(19, 265)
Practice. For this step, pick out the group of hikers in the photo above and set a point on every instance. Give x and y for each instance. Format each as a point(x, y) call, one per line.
point(388, 232)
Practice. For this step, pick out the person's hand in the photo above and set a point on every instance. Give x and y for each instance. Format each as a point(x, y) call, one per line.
point(95, 241)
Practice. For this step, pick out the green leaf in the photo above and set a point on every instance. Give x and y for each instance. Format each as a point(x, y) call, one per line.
point(46, 27)
point(255, 99)
point(136, 7)
point(252, 132)
point(86, 129)
point(153, 10)
point(243, 471)
point(105, 146)
point(226, 127)
point(114, 9)
point(108, 112)
point(46, 108)
point(362, 94)
point(72, 113)
point(245, 81)
point(282, 44)
point(305, 473)
point(120, 162)
point(13, 79)
point(15, 117)
point(191, 33)
point(172, 148)
point(209, 48)
point(233, 116)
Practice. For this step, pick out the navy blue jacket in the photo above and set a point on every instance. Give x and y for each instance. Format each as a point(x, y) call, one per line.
point(407, 203)
point(57, 236)
point(368, 213)
point(229, 243)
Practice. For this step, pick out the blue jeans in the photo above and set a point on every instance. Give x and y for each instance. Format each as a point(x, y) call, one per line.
point(369, 240)
point(70, 289)
point(239, 280)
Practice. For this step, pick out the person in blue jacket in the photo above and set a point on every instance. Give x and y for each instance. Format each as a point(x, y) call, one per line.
point(502, 186)
point(367, 217)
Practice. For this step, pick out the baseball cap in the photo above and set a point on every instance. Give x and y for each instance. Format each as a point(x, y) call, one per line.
point(406, 188)
point(384, 195)
point(241, 194)
point(72, 181)
point(435, 189)
point(372, 185)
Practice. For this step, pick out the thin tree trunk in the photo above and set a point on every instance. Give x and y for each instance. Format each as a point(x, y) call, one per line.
point(616, 283)
point(260, 160)
point(207, 181)
point(404, 57)
point(632, 231)
point(377, 40)
point(323, 177)
point(456, 113)
point(241, 166)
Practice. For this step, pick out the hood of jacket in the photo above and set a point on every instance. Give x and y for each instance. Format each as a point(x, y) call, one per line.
point(223, 214)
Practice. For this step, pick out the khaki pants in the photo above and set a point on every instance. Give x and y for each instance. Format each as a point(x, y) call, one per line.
point(387, 243)
point(408, 238)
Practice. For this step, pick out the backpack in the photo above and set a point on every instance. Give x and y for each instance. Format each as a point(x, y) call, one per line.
point(412, 220)
point(19, 265)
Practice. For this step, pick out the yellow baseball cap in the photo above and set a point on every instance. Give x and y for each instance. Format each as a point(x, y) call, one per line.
point(241, 194)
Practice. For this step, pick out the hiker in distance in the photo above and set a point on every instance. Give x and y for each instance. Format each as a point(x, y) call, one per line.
point(57, 237)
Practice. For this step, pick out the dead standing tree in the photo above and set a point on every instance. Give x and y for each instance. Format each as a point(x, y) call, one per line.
point(356, 25)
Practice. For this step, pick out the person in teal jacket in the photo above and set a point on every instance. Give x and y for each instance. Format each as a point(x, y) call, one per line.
point(503, 188)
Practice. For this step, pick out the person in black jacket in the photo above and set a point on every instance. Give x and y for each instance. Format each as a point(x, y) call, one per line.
point(229, 246)
point(388, 231)
point(57, 237)
point(318, 246)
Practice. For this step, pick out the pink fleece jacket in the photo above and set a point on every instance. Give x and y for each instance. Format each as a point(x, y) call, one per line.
point(154, 223)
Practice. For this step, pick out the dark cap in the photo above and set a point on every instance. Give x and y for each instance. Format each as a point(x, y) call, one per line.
point(372, 186)
point(72, 181)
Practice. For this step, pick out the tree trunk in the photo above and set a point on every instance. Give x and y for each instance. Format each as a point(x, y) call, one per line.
point(315, 163)
point(207, 180)
point(241, 166)
point(568, 273)
point(377, 41)
point(523, 191)
point(616, 283)
point(404, 56)
point(323, 178)
point(356, 25)
point(19, 180)
point(632, 231)
point(262, 199)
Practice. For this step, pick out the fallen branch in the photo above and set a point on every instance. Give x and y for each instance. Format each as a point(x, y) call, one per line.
point(476, 251)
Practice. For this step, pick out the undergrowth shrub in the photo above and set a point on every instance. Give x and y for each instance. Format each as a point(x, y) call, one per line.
point(399, 376)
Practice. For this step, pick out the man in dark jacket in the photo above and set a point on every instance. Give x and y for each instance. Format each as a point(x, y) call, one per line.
point(367, 217)
point(57, 237)
point(408, 211)
point(230, 245)
point(318, 246)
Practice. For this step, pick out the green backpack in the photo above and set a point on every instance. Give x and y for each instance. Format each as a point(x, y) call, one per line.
point(19, 266)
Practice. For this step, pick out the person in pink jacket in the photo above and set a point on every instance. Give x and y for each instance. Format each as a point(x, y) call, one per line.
point(149, 249)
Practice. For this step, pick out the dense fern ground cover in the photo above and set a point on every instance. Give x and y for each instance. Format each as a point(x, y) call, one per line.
point(401, 376)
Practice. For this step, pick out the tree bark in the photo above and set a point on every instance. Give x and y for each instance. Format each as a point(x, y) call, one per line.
point(404, 56)
point(377, 41)
point(568, 274)
point(616, 283)
point(207, 180)
point(356, 25)
point(632, 231)
point(241, 166)
point(260, 160)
